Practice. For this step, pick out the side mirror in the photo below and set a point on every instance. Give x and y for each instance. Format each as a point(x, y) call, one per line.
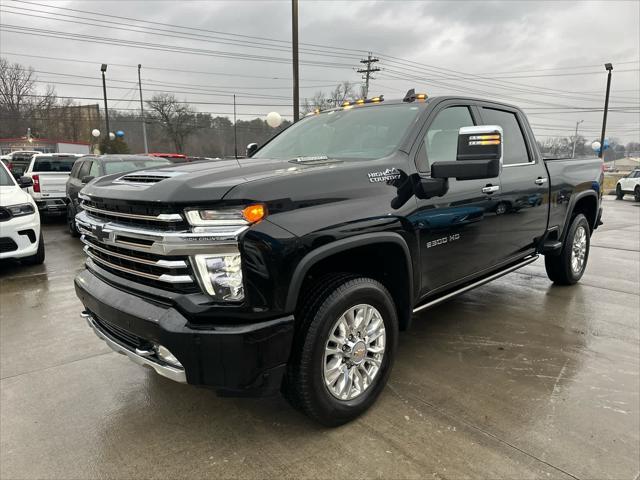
point(251, 149)
point(479, 155)
point(87, 179)
point(25, 182)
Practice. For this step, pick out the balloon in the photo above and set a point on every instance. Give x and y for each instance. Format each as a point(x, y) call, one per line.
point(112, 136)
point(95, 132)
point(274, 119)
point(120, 134)
point(595, 146)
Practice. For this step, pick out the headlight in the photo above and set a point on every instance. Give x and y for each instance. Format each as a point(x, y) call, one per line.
point(226, 216)
point(221, 275)
point(21, 210)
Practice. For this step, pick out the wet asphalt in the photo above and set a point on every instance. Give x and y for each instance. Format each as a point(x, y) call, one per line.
point(516, 379)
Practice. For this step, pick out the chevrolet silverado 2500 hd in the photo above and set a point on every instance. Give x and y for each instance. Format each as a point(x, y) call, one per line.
point(296, 268)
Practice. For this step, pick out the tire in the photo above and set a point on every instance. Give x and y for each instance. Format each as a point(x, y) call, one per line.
point(309, 384)
point(38, 258)
point(561, 269)
point(71, 220)
point(619, 192)
point(636, 193)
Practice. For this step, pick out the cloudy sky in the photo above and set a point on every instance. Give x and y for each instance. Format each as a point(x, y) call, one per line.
point(546, 57)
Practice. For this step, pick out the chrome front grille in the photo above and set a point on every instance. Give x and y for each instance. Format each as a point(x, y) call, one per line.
point(147, 245)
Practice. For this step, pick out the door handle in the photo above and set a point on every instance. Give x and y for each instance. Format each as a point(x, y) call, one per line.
point(541, 181)
point(490, 189)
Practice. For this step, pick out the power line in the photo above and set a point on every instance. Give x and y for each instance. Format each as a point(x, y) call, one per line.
point(368, 72)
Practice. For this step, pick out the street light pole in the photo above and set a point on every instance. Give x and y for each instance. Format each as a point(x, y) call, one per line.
point(144, 123)
point(103, 69)
point(575, 140)
point(235, 132)
point(294, 34)
point(609, 68)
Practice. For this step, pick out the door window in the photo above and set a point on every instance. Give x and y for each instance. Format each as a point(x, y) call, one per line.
point(515, 147)
point(441, 139)
point(95, 170)
point(84, 170)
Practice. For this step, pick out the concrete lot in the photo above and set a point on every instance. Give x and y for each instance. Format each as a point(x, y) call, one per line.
point(517, 379)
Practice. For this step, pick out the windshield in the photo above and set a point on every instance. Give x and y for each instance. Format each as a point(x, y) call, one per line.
point(359, 132)
point(129, 165)
point(53, 164)
point(5, 178)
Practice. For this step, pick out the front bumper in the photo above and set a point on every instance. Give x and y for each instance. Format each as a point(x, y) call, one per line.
point(20, 236)
point(246, 359)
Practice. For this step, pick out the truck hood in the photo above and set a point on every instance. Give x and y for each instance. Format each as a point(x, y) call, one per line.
point(198, 182)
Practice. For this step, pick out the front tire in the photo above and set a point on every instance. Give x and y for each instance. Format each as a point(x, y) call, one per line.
point(619, 192)
point(344, 349)
point(71, 220)
point(568, 267)
point(636, 193)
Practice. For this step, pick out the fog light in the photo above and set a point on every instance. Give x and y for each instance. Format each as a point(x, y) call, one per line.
point(166, 356)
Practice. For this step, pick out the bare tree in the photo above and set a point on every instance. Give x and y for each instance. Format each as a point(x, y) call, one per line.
point(176, 118)
point(344, 91)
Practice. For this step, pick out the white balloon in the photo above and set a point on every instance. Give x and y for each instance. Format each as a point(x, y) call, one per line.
point(595, 146)
point(112, 136)
point(274, 119)
point(95, 132)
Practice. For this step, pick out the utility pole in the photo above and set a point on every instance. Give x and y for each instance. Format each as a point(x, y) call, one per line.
point(235, 133)
point(103, 69)
point(368, 72)
point(294, 42)
point(144, 123)
point(608, 67)
point(575, 139)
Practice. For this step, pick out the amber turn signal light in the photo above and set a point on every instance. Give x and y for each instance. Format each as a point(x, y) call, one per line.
point(254, 213)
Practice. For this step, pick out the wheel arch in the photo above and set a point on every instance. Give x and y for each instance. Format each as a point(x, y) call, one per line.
point(348, 253)
point(586, 203)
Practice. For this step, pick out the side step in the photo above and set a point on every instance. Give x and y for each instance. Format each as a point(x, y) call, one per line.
point(475, 284)
point(551, 247)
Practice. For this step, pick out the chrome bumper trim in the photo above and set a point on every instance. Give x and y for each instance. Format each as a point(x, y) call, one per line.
point(172, 373)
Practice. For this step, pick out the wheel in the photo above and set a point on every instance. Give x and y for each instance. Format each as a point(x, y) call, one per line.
point(38, 258)
point(636, 193)
point(619, 192)
point(344, 348)
point(71, 220)
point(568, 267)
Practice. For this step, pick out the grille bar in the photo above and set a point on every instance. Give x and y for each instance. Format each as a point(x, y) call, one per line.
point(163, 217)
point(170, 279)
point(154, 263)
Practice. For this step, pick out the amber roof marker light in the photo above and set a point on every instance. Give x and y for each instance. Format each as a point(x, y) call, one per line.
point(412, 96)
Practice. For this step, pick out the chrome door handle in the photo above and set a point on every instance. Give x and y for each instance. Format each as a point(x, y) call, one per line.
point(490, 188)
point(541, 181)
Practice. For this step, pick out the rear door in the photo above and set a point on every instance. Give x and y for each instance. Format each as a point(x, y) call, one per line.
point(457, 231)
point(524, 182)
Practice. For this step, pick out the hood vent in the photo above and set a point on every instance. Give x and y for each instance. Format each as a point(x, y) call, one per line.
point(146, 178)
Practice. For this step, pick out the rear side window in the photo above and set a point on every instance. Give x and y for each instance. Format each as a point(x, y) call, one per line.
point(85, 169)
point(441, 140)
point(53, 164)
point(515, 147)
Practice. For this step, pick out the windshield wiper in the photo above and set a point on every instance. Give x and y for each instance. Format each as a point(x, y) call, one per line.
point(315, 158)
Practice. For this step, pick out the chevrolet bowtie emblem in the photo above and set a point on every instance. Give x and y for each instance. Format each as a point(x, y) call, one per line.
point(100, 233)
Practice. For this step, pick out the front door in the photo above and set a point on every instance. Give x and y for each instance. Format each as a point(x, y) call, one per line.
point(457, 232)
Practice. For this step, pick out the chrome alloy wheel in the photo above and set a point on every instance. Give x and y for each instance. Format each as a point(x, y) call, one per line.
point(579, 249)
point(354, 351)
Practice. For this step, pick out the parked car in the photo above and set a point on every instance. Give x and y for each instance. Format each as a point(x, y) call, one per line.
point(296, 269)
point(18, 161)
point(89, 167)
point(50, 172)
point(20, 234)
point(629, 185)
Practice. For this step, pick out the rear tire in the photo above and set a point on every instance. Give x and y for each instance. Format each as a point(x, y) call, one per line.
point(343, 350)
point(636, 193)
point(38, 258)
point(619, 192)
point(568, 267)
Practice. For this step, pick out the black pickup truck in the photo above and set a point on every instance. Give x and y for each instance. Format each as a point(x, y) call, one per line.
point(294, 270)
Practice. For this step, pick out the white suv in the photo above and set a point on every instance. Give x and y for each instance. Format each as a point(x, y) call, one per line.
point(629, 184)
point(20, 234)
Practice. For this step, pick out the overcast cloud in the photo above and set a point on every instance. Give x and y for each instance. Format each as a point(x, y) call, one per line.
point(552, 52)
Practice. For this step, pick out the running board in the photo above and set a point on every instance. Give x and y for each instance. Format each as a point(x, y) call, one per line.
point(475, 284)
